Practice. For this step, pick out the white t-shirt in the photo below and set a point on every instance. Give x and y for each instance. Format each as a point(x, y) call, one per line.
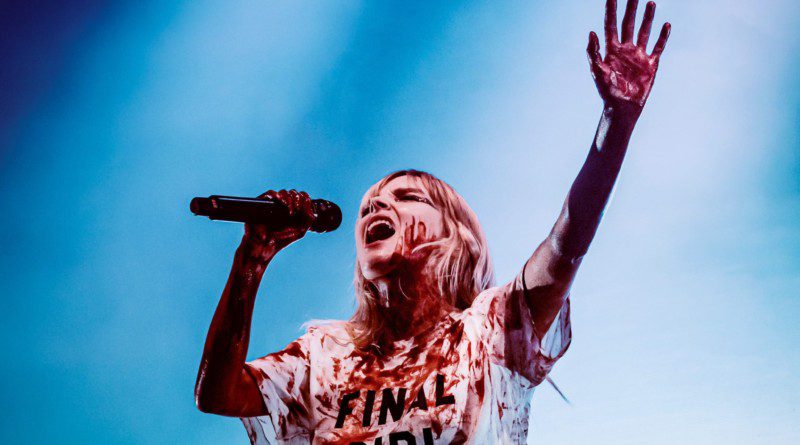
point(467, 380)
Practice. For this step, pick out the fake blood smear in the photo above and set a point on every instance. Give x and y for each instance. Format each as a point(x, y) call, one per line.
point(467, 380)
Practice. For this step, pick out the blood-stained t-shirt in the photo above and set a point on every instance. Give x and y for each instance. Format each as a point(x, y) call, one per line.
point(469, 379)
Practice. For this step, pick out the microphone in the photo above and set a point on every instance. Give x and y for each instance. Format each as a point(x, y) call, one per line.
point(273, 214)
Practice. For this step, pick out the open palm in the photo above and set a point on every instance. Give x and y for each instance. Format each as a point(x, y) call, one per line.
point(625, 76)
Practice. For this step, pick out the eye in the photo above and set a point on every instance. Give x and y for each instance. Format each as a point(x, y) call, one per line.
point(412, 197)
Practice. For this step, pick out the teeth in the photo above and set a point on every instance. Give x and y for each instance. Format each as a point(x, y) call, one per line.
point(378, 222)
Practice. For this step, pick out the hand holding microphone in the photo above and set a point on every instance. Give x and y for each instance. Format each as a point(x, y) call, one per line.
point(273, 220)
point(300, 213)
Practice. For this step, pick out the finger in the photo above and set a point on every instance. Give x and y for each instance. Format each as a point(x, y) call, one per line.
point(407, 237)
point(283, 197)
point(593, 49)
point(299, 204)
point(269, 194)
point(611, 22)
point(596, 64)
point(306, 205)
point(662, 40)
point(647, 23)
point(629, 20)
point(295, 199)
point(422, 232)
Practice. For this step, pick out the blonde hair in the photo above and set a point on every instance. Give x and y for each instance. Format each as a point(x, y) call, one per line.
point(460, 261)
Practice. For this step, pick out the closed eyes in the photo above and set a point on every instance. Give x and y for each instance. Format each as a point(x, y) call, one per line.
point(410, 197)
point(402, 197)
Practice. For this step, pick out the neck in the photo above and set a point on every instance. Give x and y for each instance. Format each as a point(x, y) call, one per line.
point(410, 305)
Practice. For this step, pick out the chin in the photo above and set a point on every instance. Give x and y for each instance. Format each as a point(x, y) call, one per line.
point(377, 261)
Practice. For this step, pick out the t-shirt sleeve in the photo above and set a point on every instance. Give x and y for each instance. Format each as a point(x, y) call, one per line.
point(283, 379)
point(503, 319)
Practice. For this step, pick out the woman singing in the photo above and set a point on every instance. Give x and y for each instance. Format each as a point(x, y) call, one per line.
point(433, 354)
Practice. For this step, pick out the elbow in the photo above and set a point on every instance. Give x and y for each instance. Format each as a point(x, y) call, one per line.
point(226, 399)
point(205, 400)
point(201, 400)
point(203, 406)
point(209, 405)
point(567, 255)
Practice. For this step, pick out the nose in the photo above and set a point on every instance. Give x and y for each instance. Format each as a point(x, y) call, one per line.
point(376, 202)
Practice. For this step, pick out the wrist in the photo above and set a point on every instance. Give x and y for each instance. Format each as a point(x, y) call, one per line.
point(255, 255)
point(614, 130)
point(622, 114)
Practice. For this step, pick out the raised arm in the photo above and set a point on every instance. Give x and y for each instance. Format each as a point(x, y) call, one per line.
point(223, 384)
point(624, 79)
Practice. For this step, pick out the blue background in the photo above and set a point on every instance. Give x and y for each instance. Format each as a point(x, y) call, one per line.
point(114, 114)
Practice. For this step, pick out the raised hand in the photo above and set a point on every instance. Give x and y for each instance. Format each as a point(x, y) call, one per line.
point(624, 78)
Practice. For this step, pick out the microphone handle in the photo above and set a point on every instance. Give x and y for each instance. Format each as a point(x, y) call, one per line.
point(274, 215)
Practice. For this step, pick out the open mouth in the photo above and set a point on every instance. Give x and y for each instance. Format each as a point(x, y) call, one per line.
point(379, 231)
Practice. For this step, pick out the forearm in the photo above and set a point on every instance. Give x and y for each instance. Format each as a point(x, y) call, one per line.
point(551, 269)
point(222, 373)
point(624, 78)
point(583, 208)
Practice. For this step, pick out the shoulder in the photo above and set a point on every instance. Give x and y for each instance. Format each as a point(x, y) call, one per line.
point(490, 301)
point(479, 316)
point(327, 335)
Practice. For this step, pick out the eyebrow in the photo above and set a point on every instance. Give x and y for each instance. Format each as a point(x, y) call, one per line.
point(396, 192)
point(405, 190)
